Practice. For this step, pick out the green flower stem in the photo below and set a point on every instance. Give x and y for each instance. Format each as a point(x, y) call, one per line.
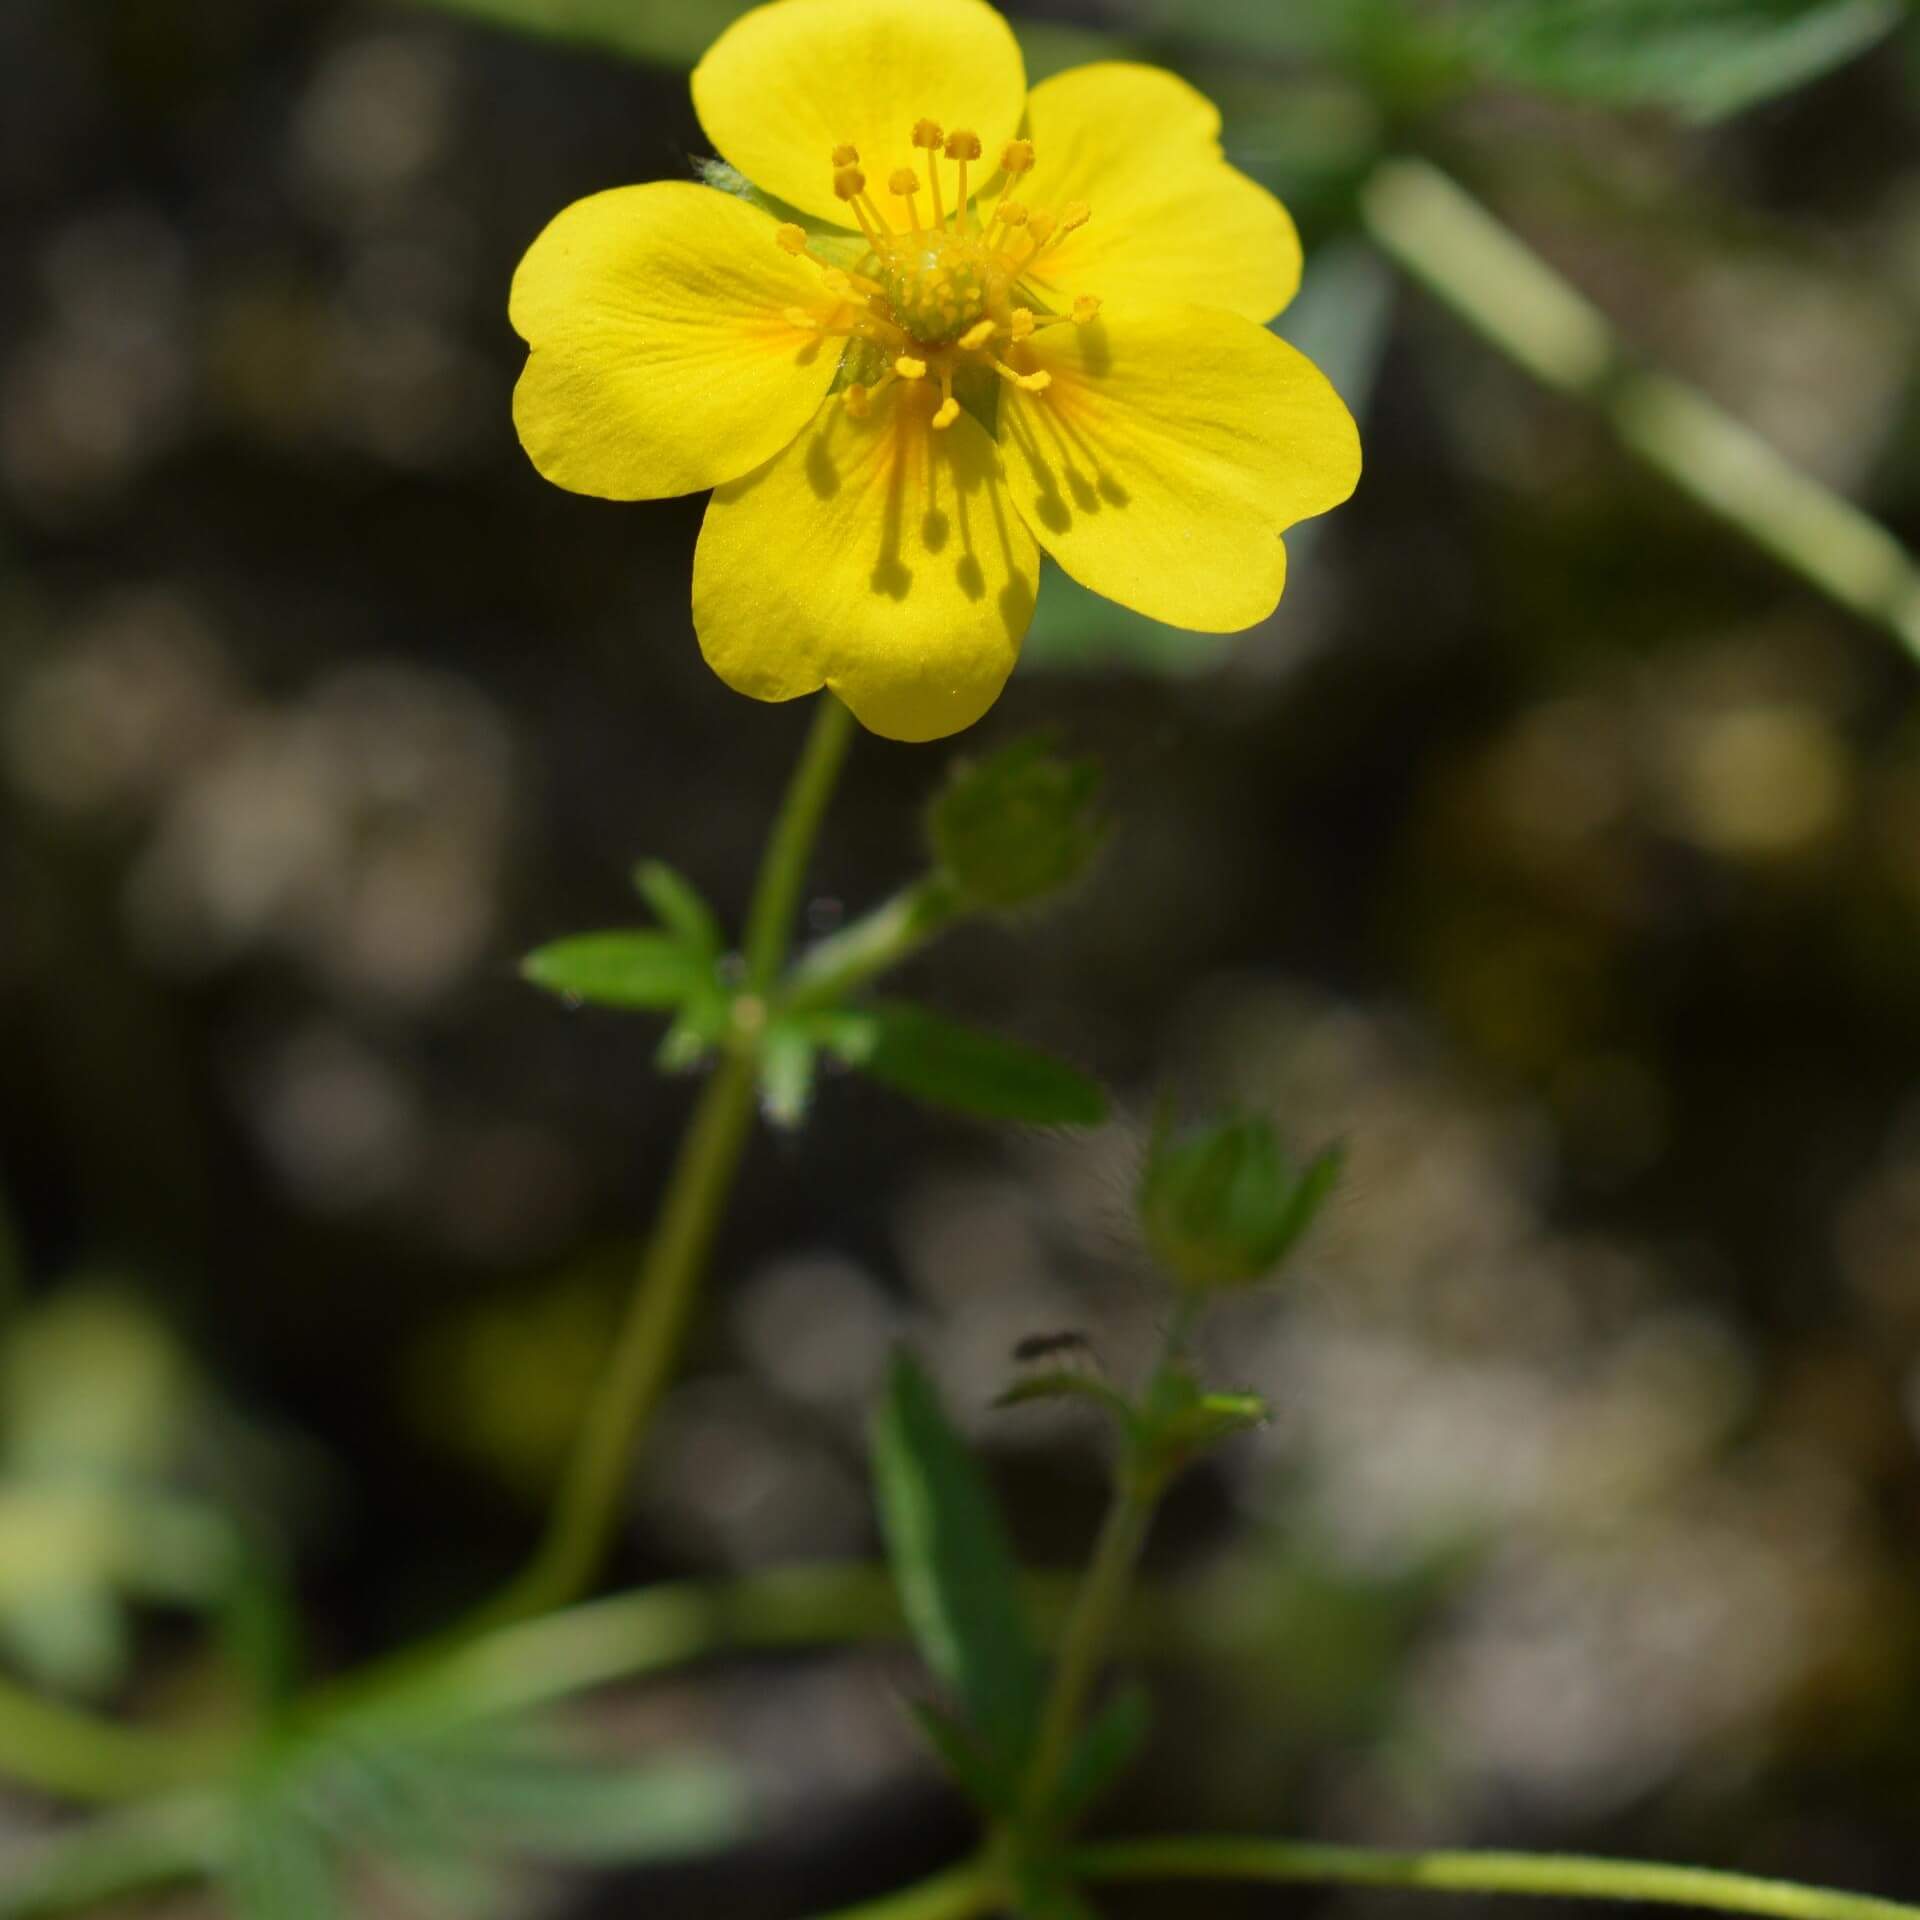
point(959, 1894)
point(875, 943)
point(63, 1751)
point(1567, 1875)
point(586, 1512)
point(1451, 244)
point(783, 868)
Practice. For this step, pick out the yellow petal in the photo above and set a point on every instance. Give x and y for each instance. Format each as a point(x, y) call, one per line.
point(877, 557)
point(1166, 455)
point(663, 360)
point(1172, 223)
point(785, 85)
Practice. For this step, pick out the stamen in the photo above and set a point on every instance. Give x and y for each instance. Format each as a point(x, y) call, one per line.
point(927, 134)
point(789, 238)
point(1016, 158)
point(1012, 213)
point(849, 183)
point(801, 318)
point(948, 411)
point(1037, 382)
point(1021, 323)
point(1086, 310)
point(857, 401)
point(1076, 213)
point(905, 183)
point(962, 146)
point(977, 335)
point(1040, 228)
point(908, 368)
point(846, 156)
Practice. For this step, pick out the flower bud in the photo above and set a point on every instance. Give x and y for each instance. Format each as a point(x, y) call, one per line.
point(1223, 1204)
point(1017, 826)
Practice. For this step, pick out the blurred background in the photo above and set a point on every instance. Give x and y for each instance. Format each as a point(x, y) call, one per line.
point(1553, 844)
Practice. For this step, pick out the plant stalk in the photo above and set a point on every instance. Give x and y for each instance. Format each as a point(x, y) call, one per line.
point(586, 1511)
point(1565, 1875)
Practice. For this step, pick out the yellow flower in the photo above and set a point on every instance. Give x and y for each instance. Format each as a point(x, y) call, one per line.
point(1013, 321)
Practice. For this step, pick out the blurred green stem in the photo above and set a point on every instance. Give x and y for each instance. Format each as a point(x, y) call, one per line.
point(1455, 248)
point(1565, 1875)
point(586, 1511)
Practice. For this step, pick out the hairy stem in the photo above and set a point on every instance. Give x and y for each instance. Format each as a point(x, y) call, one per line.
point(1567, 1875)
point(1489, 276)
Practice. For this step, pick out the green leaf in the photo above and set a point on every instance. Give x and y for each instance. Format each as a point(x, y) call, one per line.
point(786, 1073)
point(677, 904)
point(948, 1065)
point(994, 1789)
point(958, 1582)
point(281, 1867)
point(1106, 1746)
point(1059, 1384)
point(649, 971)
point(1703, 58)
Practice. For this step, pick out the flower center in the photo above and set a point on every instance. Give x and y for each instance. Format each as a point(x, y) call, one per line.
point(937, 285)
point(932, 298)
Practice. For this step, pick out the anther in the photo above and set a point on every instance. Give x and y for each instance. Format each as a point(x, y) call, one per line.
point(977, 335)
point(948, 411)
point(1036, 382)
point(846, 156)
point(1086, 310)
point(962, 146)
point(1016, 157)
point(791, 239)
point(1040, 229)
point(903, 181)
point(1022, 323)
point(926, 133)
point(908, 368)
point(1012, 213)
point(848, 180)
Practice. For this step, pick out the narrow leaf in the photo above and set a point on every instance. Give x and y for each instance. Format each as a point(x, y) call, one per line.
point(786, 1074)
point(649, 971)
point(680, 909)
point(955, 1571)
point(281, 1868)
point(948, 1065)
point(1106, 1746)
point(993, 1789)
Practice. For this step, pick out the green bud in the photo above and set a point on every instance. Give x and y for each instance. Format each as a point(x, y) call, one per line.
point(1223, 1205)
point(1017, 826)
